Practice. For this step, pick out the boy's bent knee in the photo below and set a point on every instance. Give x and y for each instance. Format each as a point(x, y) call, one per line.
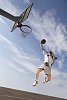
point(49, 77)
point(39, 69)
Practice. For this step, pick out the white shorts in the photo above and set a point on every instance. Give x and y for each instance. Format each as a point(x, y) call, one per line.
point(46, 69)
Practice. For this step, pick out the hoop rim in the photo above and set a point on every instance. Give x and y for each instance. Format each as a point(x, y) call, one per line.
point(27, 27)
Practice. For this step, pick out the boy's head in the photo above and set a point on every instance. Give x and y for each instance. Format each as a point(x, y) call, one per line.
point(52, 54)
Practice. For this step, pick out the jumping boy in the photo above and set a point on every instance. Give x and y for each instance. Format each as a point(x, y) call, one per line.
point(49, 58)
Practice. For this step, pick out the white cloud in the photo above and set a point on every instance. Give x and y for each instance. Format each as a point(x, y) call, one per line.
point(61, 61)
point(47, 26)
point(27, 1)
point(20, 57)
point(1, 20)
point(8, 6)
point(10, 64)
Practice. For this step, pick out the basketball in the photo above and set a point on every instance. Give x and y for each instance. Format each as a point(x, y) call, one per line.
point(43, 41)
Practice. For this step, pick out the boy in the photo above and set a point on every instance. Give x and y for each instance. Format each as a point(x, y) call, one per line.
point(49, 58)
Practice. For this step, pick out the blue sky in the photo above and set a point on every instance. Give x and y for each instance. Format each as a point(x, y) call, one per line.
point(20, 57)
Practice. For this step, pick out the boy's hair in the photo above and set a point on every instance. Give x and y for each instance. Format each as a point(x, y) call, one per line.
point(50, 52)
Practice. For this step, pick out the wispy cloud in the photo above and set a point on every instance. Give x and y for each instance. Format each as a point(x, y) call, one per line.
point(1, 20)
point(20, 57)
point(10, 64)
point(8, 6)
point(61, 62)
point(47, 26)
point(26, 1)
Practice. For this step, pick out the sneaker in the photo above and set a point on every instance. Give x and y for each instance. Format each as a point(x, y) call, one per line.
point(35, 83)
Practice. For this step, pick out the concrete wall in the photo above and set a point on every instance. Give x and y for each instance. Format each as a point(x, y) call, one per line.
point(12, 94)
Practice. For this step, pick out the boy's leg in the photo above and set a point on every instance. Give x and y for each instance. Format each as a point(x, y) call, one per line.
point(47, 71)
point(38, 72)
point(37, 75)
point(48, 77)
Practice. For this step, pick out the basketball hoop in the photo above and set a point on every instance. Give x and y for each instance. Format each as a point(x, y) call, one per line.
point(25, 28)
